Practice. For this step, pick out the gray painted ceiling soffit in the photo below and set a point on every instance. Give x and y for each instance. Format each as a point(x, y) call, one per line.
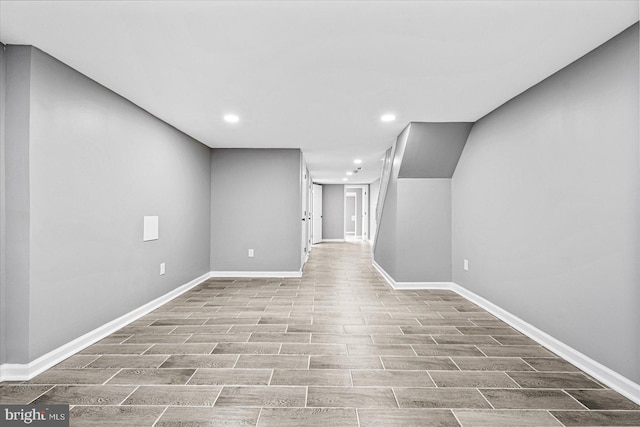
point(433, 149)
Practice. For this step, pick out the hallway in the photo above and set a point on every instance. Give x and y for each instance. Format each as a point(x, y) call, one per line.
point(336, 347)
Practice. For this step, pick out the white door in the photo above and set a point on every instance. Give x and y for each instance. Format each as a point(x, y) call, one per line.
point(317, 214)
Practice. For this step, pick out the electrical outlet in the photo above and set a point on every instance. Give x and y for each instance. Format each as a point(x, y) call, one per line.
point(250, 253)
point(466, 265)
point(161, 268)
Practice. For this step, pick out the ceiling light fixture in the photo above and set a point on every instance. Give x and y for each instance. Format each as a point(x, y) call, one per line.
point(349, 173)
point(388, 117)
point(231, 118)
point(357, 161)
point(345, 179)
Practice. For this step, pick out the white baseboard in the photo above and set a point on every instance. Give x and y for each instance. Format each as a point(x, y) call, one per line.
point(332, 240)
point(263, 274)
point(24, 372)
point(617, 382)
point(410, 285)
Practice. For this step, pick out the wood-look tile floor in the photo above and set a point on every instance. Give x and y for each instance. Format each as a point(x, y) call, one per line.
point(337, 347)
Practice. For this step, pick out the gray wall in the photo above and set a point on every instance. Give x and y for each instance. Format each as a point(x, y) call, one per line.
point(96, 165)
point(17, 188)
point(546, 209)
point(332, 211)
point(3, 323)
point(256, 204)
point(423, 230)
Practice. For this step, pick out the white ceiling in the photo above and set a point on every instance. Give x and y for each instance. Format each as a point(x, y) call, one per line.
point(315, 75)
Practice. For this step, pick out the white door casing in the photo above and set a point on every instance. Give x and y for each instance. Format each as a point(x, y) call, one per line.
point(365, 208)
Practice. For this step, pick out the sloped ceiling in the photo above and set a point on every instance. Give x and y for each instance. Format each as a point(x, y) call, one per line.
point(432, 150)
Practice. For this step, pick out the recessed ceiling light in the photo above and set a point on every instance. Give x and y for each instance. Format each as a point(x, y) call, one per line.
point(388, 117)
point(357, 161)
point(231, 118)
point(345, 179)
point(349, 173)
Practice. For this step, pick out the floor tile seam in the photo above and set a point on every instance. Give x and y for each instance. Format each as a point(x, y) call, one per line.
point(517, 409)
point(485, 397)
point(144, 353)
point(214, 348)
point(159, 416)
point(435, 386)
point(51, 387)
point(456, 418)
point(129, 395)
point(564, 390)
point(395, 398)
point(141, 405)
point(555, 418)
point(85, 366)
point(259, 415)
point(190, 377)
point(431, 378)
point(217, 396)
point(112, 376)
point(306, 396)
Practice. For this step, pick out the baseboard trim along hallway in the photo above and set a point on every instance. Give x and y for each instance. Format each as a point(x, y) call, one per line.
point(26, 371)
point(617, 382)
point(339, 346)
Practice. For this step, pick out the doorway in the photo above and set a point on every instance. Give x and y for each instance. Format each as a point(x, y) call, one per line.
point(316, 214)
point(350, 215)
point(356, 220)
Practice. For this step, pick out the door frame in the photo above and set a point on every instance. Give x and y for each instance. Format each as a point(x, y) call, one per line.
point(365, 209)
point(304, 211)
point(347, 196)
point(315, 239)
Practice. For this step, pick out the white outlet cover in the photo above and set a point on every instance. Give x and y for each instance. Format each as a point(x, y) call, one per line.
point(250, 253)
point(466, 265)
point(162, 268)
point(150, 228)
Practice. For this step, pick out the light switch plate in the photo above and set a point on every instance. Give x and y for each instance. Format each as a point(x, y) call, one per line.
point(150, 228)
